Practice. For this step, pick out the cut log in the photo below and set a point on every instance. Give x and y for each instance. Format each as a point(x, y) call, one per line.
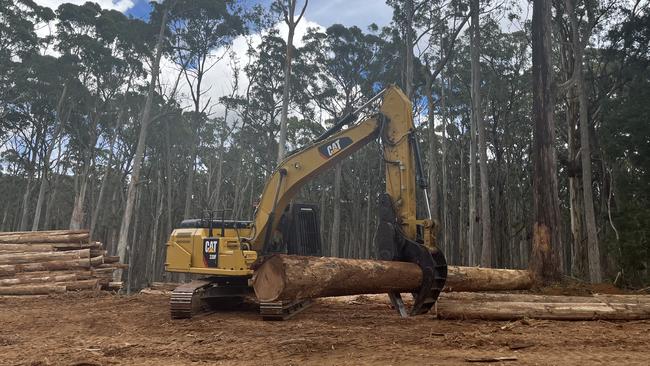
point(12, 269)
point(473, 297)
point(103, 271)
point(93, 284)
point(487, 279)
point(81, 274)
point(21, 258)
point(111, 259)
point(21, 248)
point(31, 290)
point(42, 232)
point(31, 280)
point(112, 265)
point(114, 285)
point(46, 247)
point(536, 310)
point(39, 237)
point(98, 252)
point(164, 286)
point(288, 277)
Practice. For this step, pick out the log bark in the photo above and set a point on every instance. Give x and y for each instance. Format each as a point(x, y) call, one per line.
point(32, 290)
point(31, 280)
point(111, 259)
point(21, 258)
point(42, 232)
point(93, 284)
point(284, 277)
point(474, 297)
point(46, 247)
point(11, 269)
point(40, 237)
point(549, 311)
point(81, 274)
point(21, 248)
point(487, 279)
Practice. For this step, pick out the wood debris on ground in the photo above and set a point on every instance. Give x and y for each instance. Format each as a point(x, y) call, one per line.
point(55, 261)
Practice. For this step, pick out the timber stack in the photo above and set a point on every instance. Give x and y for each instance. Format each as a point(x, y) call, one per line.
point(46, 262)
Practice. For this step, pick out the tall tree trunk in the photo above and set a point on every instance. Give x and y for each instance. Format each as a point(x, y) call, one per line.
point(53, 194)
point(477, 115)
point(46, 160)
point(433, 148)
point(473, 245)
point(336, 215)
point(595, 273)
point(156, 224)
point(79, 206)
point(408, 40)
point(578, 252)
point(289, 18)
point(544, 261)
point(139, 152)
point(26, 197)
point(446, 234)
point(593, 251)
point(189, 186)
point(463, 242)
point(168, 178)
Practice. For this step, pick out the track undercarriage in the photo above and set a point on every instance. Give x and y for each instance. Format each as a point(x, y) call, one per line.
point(218, 293)
point(208, 294)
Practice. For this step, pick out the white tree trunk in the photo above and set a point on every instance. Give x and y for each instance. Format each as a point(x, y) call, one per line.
point(139, 152)
point(292, 22)
point(336, 216)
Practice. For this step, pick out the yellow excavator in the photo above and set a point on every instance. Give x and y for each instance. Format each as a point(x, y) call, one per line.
point(225, 252)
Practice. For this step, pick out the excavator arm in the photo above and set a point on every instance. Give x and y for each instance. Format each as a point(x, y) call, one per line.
point(393, 123)
point(298, 169)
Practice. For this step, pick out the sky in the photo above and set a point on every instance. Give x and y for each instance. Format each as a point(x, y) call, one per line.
point(324, 12)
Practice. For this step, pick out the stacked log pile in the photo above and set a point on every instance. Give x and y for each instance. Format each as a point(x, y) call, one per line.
point(46, 262)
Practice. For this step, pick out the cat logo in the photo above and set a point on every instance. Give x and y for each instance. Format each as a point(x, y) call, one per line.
point(332, 148)
point(211, 252)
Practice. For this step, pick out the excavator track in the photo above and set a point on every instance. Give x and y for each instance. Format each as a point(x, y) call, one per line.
point(186, 300)
point(281, 310)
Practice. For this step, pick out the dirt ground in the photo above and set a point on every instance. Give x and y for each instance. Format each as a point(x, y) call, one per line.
point(105, 329)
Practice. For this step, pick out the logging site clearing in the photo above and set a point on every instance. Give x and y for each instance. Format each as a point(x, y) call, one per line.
point(100, 328)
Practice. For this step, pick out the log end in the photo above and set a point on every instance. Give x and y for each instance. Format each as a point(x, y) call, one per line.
point(269, 280)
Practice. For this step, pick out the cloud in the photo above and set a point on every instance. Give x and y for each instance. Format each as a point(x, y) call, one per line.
point(119, 5)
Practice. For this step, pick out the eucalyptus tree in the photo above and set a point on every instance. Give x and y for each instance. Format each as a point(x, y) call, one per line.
point(145, 120)
point(19, 49)
point(103, 45)
point(201, 33)
point(338, 66)
point(546, 226)
point(288, 10)
point(265, 97)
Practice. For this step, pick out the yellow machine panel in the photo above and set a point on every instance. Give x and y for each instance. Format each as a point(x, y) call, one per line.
point(193, 250)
